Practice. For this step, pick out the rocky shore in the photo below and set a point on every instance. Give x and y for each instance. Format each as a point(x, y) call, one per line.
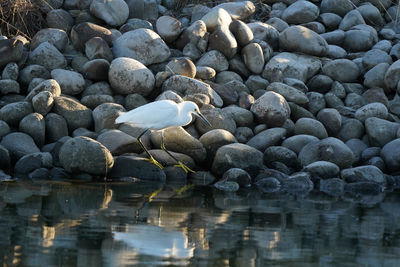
point(301, 95)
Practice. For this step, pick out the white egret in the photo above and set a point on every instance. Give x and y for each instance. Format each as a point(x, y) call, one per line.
point(160, 115)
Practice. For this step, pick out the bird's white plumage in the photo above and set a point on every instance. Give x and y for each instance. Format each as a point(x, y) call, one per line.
point(159, 115)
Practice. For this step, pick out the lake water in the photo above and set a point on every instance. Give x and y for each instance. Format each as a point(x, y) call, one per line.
point(62, 224)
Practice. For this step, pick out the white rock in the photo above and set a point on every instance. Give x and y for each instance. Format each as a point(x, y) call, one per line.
point(113, 12)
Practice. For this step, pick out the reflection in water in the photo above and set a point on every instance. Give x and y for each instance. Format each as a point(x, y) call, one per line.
point(147, 225)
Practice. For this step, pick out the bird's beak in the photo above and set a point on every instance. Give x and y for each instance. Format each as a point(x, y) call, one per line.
point(201, 116)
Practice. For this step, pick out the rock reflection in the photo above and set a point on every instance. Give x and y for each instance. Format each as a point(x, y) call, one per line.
point(125, 224)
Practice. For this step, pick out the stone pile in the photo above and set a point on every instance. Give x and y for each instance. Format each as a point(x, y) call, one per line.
point(301, 95)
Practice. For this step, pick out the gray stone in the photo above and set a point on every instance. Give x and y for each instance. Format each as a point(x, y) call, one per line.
point(341, 7)
point(214, 139)
point(118, 142)
point(71, 82)
point(14, 112)
point(237, 175)
point(336, 52)
point(242, 32)
point(374, 57)
point(9, 87)
point(47, 56)
point(216, 17)
point(4, 129)
point(267, 138)
point(237, 156)
point(168, 28)
point(11, 50)
point(303, 40)
point(271, 108)
point(19, 144)
point(289, 93)
point(83, 32)
point(356, 146)
point(56, 37)
point(290, 65)
point(335, 37)
point(222, 39)
point(332, 187)
point(363, 174)
point(227, 186)
point(265, 32)
point(181, 66)
point(300, 12)
point(192, 34)
point(51, 86)
point(392, 75)
point(56, 127)
point(10, 71)
point(214, 59)
point(375, 109)
point(322, 169)
point(238, 10)
point(243, 134)
point(358, 40)
point(30, 72)
point(331, 120)
point(316, 102)
point(98, 88)
point(380, 131)
point(114, 13)
point(5, 160)
point(43, 102)
point(242, 117)
point(352, 18)
point(330, 20)
point(34, 125)
point(297, 142)
point(351, 128)
point(218, 120)
point(299, 184)
point(253, 57)
point(277, 23)
point(76, 114)
point(371, 14)
point(83, 154)
point(60, 19)
point(96, 69)
point(105, 114)
point(391, 155)
point(375, 76)
point(280, 154)
point(342, 70)
point(329, 149)
point(128, 76)
point(269, 185)
point(31, 162)
point(97, 48)
point(144, 45)
point(310, 126)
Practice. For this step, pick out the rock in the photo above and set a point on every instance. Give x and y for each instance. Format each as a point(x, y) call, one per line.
point(363, 174)
point(56, 127)
point(238, 10)
point(105, 114)
point(83, 154)
point(13, 113)
point(4, 128)
point(376, 109)
point(34, 125)
point(47, 56)
point(144, 45)
point(131, 166)
point(192, 34)
point(9, 87)
point(300, 12)
point(242, 117)
point(310, 126)
point(5, 160)
point(267, 138)
point(214, 139)
point(99, 88)
point(303, 40)
point(342, 70)
point(316, 101)
point(271, 108)
point(227, 186)
point(96, 70)
point(10, 71)
point(218, 120)
point(11, 50)
point(332, 186)
point(356, 146)
point(56, 37)
point(83, 32)
point(375, 76)
point(166, 160)
point(374, 57)
point(178, 140)
point(213, 59)
point(392, 75)
point(43, 102)
point(269, 185)
point(76, 114)
point(358, 40)
point(242, 32)
point(280, 154)
point(253, 57)
point(380, 131)
point(71, 82)
point(128, 76)
point(30, 72)
point(243, 134)
point(322, 169)
point(237, 156)
point(340, 8)
point(205, 73)
point(50, 86)
point(391, 155)
point(114, 13)
point(60, 19)
point(363, 188)
point(168, 28)
point(329, 149)
point(352, 18)
point(299, 184)
point(290, 65)
point(31, 162)
point(331, 120)
point(216, 17)
point(97, 48)
point(18, 145)
point(118, 142)
point(297, 142)
point(182, 66)
point(222, 39)
point(263, 31)
point(237, 175)
point(288, 92)
point(202, 178)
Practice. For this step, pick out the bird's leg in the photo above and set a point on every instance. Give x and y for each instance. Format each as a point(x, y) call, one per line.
point(151, 159)
point(180, 163)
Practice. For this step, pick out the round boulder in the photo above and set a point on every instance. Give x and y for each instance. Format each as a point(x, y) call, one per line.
point(272, 109)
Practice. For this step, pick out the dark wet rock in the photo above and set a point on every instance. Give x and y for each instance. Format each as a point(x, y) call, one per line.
point(322, 169)
point(175, 176)
point(214, 139)
point(227, 186)
point(118, 142)
point(380, 131)
point(105, 114)
point(13, 113)
point(76, 114)
point(329, 149)
point(268, 185)
point(19, 144)
point(363, 174)
point(280, 154)
point(237, 175)
point(267, 138)
point(332, 186)
point(237, 156)
point(31, 162)
point(390, 153)
point(297, 142)
point(298, 184)
point(40, 174)
point(131, 166)
point(56, 127)
point(363, 188)
point(34, 125)
point(5, 159)
point(272, 109)
point(83, 154)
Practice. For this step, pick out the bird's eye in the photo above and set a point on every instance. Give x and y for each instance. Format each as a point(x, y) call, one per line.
point(196, 110)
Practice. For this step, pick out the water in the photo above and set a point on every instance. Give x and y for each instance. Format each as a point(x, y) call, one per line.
point(61, 224)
